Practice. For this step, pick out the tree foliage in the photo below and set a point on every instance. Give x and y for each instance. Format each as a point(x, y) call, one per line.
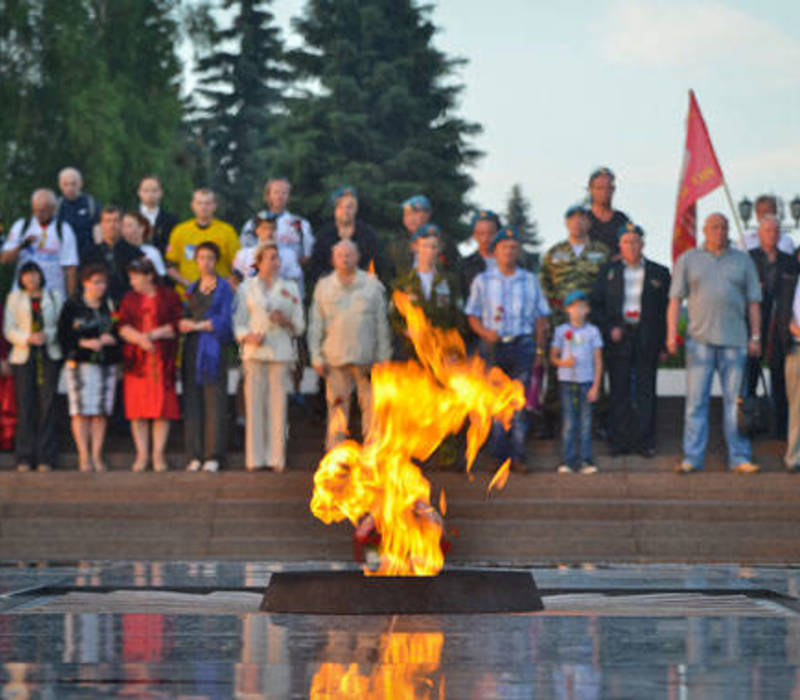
point(375, 108)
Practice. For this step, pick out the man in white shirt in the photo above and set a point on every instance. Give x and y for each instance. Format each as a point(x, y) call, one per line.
point(48, 242)
point(292, 231)
point(348, 332)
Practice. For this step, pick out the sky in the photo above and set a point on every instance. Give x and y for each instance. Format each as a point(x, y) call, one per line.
point(561, 88)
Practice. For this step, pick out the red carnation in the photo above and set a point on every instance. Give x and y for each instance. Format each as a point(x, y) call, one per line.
point(568, 335)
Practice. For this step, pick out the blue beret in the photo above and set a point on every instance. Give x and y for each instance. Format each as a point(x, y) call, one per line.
point(630, 227)
point(576, 295)
point(509, 233)
point(576, 209)
point(485, 215)
point(418, 202)
point(343, 192)
point(265, 215)
point(426, 231)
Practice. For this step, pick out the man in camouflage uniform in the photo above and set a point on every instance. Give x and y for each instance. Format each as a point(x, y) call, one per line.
point(568, 266)
point(432, 289)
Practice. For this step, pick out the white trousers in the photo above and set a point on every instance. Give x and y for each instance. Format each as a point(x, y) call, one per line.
point(265, 403)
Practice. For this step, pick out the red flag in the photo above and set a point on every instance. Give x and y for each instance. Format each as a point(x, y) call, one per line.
point(700, 175)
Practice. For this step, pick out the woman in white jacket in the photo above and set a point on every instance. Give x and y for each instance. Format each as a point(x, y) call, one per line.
point(30, 324)
point(268, 316)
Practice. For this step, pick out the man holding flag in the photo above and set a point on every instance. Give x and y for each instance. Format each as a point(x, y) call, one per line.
point(721, 286)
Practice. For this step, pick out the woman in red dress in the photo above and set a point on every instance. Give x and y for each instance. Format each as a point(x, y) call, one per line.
point(148, 324)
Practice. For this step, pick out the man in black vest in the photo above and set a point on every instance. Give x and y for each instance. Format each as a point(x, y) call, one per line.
point(629, 305)
point(161, 221)
point(777, 272)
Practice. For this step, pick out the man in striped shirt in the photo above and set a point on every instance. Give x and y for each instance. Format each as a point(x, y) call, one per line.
point(509, 313)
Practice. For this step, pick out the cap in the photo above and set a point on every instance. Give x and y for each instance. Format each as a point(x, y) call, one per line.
point(576, 209)
point(265, 215)
point(485, 215)
point(573, 296)
point(509, 233)
point(426, 231)
point(630, 227)
point(343, 192)
point(419, 202)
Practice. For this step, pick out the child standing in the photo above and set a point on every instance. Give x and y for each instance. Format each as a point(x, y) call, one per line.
point(577, 353)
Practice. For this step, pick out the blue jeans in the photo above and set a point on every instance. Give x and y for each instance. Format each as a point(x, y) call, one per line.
point(516, 360)
point(702, 361)
point(576, 424)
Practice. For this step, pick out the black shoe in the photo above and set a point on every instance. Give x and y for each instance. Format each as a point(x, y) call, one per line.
point(619, 451)
point(519, 467)
point(647, 452)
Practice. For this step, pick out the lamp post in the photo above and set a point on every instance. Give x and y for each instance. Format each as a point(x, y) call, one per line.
point(745, 210)
point(794, 208)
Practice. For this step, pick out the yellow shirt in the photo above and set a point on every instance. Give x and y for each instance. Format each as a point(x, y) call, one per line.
point(185, 238)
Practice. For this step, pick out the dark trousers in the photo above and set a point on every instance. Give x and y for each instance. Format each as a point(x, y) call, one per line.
point(36, 441)
point(632, 400)
point(777, 373)
point(205, 410)
point(516, 360)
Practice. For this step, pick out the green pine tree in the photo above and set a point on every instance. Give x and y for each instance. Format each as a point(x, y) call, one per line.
point(518, 215)
point(375, 109)
point(241, 81)
point(90, 83)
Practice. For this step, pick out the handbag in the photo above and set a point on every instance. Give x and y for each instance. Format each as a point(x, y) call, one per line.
point(753, 411)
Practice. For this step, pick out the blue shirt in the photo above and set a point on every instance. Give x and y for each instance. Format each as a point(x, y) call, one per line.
point(579, 343)
point(508, 305)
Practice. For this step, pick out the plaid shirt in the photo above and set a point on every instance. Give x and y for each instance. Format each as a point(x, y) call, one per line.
point(508, 305)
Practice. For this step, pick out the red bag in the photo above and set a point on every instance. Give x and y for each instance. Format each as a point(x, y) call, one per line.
point(8, 413)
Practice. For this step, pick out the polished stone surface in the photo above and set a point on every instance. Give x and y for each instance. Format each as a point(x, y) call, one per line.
point(608, 632)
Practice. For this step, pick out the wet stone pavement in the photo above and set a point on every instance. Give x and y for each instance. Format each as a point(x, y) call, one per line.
point(193, 630)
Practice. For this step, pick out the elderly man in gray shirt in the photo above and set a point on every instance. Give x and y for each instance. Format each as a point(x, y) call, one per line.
point(723, 293)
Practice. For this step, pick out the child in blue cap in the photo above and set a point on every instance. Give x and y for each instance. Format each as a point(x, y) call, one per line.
point(577, 353)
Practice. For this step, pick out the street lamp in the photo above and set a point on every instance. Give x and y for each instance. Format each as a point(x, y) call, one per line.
point(794, 207)
point(745, 210)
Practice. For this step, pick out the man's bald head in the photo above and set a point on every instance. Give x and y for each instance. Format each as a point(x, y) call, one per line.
point(70, 182)
point(43, 204)
point(344, 256)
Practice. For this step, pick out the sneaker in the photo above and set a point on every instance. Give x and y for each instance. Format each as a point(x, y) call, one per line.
point(588, 469)
point(564, 469)
point(211, 465)
point(194, 466)
point(685, 467)
point(23, 467)
point(793, 469)
point(42, 467)
point(746, 468)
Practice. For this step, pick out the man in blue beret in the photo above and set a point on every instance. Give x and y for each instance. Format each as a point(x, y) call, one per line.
point(417, 211)
point(509, 313)
point(629, 305)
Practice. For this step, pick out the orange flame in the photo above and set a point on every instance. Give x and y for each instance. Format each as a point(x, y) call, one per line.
point(416, 405)
point(406, 670)
point(442, 503)
point(500, 477)
point(371, 267)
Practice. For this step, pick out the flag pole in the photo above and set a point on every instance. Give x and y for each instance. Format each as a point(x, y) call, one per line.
point(735, 214)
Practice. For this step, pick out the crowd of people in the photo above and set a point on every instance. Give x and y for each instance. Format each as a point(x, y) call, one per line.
point(137, 296)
